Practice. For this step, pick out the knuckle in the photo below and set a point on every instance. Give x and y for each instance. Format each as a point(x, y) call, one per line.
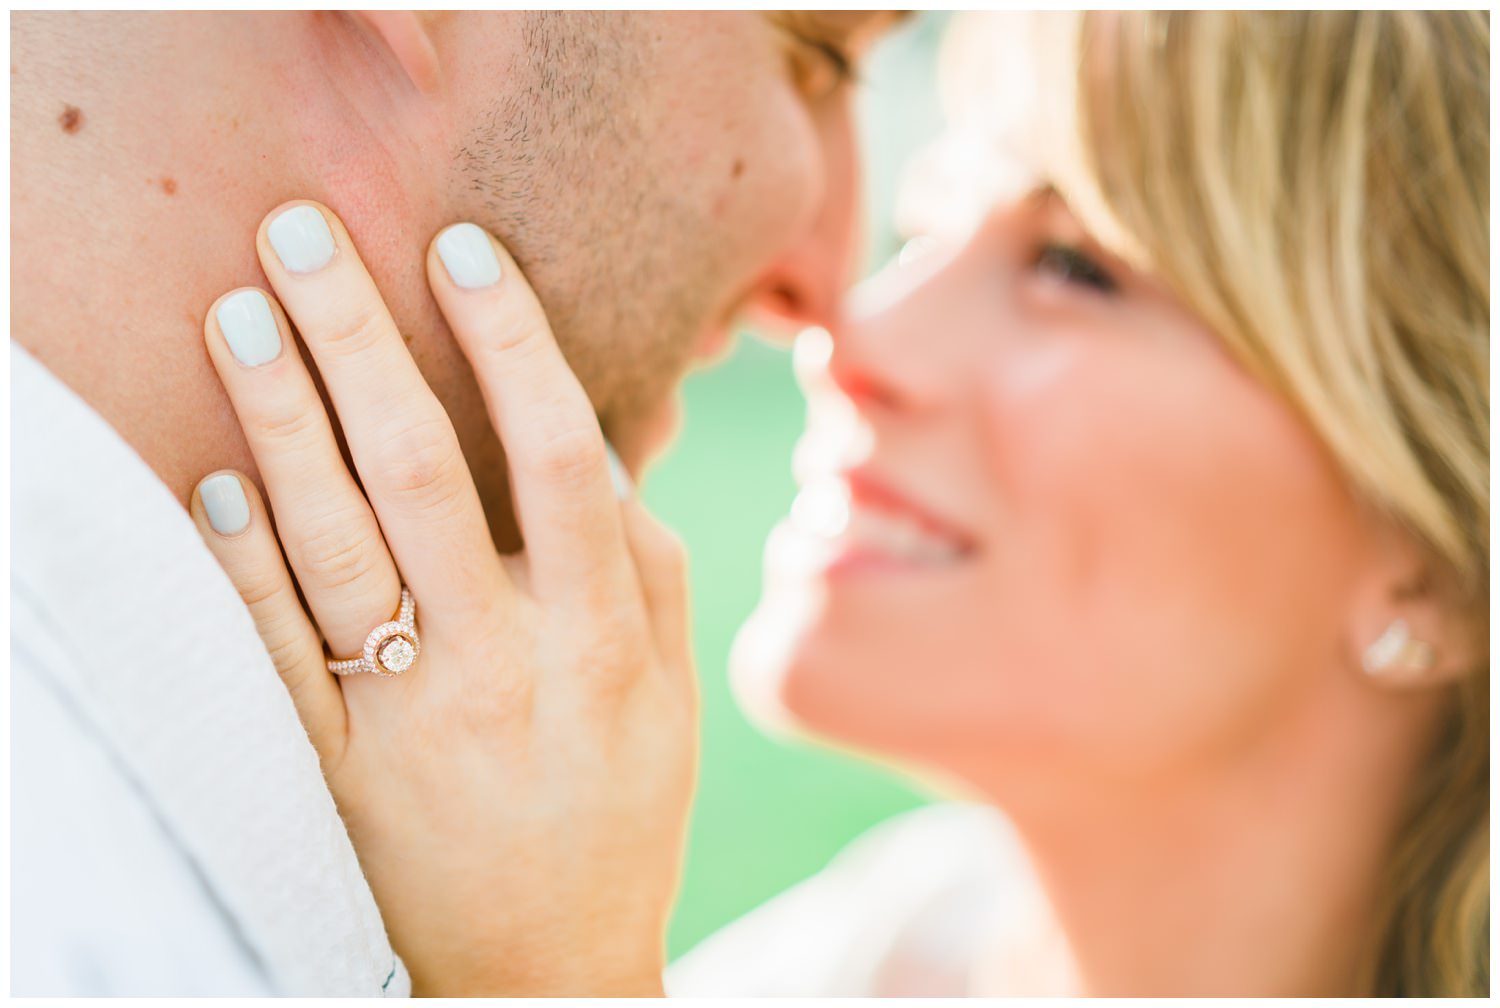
point(508, 699)
point(420, 462)
point(514, 335)
point(568, 456)
point(358, 328)
point(279, 621)
point(288, 649)
point(258, 593)
point(340, 554)
point(291, 428)
point(620, 643)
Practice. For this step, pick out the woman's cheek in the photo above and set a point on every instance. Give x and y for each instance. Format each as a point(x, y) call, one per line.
point(1157, 504)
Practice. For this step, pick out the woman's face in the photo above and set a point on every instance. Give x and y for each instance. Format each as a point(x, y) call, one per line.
point(1078, 535)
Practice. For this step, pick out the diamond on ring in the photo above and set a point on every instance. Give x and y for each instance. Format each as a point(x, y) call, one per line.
point(397, 654)
point(391, 648)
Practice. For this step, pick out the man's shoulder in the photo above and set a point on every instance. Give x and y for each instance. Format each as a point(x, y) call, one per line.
point(103, 900)
point(127, 625)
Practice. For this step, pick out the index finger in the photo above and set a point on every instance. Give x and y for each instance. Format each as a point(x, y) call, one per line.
point(560, 476)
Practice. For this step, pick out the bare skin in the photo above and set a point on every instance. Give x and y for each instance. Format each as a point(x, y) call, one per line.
point(146, 147)
point(1135, 622)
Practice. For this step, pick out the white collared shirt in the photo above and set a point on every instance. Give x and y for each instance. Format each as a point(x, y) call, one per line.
point(171, 829)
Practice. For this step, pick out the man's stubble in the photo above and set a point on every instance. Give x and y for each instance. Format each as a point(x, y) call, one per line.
point(569, 172)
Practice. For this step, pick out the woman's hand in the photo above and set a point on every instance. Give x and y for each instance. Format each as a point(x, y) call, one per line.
point(518, 797)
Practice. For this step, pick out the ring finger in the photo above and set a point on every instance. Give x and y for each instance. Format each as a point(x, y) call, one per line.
point(332, 540)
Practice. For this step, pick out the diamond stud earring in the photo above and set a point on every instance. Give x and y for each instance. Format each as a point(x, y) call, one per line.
point(1395, 654)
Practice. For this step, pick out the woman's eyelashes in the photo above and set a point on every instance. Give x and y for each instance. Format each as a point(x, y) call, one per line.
point(1072, 265)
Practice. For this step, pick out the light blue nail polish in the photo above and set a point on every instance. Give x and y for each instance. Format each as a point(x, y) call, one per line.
point(619, 475)
point(468, 256)
point(224, 501)
point(301, 238)
point(249, 328)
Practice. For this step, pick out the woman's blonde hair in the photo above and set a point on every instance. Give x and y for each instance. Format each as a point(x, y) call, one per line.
point(1316, 187)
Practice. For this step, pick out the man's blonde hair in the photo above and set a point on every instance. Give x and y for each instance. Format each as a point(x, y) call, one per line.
point(1315, 187)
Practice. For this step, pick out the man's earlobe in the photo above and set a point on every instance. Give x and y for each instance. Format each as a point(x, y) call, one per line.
point(404, 34)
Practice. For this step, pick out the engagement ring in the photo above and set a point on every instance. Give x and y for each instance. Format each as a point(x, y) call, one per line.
point(390, 649)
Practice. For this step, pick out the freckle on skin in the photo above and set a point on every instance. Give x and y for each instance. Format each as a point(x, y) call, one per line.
point(71, 119)
point(169, 186)
point(738, 169)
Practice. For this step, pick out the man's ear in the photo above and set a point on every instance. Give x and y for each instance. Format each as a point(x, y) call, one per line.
point(405, 35)
point(1411, 626)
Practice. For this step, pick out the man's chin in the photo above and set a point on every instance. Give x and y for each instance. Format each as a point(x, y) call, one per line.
point(715, 348)
point(645, 437)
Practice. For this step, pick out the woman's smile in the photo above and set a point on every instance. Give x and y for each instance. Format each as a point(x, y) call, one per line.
point(863, 525)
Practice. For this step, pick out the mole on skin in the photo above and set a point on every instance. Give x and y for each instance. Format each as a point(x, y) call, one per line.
point(71, 119)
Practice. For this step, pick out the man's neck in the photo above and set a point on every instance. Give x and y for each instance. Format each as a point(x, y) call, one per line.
point(146, 149)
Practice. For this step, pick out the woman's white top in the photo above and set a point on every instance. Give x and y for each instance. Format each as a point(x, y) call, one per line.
point(939, 902)
point(171, 832)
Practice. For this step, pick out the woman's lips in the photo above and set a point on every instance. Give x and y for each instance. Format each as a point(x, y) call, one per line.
point(871, 493)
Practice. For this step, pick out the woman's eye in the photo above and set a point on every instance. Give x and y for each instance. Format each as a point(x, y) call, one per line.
point(1072, 265)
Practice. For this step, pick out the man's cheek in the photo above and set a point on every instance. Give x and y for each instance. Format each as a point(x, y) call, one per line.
point(772, 177)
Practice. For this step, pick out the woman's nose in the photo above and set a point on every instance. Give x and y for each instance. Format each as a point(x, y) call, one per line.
point(893, 345)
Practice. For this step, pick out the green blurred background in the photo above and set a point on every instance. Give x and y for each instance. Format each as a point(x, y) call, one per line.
point(771, 812)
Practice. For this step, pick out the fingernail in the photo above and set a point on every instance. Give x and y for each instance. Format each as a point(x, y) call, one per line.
point(468, 256)
point(301, 239)
point(224, 501)
point(619, 475)
point(249, 328)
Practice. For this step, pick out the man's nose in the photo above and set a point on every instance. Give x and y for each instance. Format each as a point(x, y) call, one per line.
point(805, 286)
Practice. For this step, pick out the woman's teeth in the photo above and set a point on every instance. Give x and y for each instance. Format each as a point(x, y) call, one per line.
point(822, 508)
point(898, 537)
point(825, 511)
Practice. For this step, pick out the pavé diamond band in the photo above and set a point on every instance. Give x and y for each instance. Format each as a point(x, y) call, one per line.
point(391, 648)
